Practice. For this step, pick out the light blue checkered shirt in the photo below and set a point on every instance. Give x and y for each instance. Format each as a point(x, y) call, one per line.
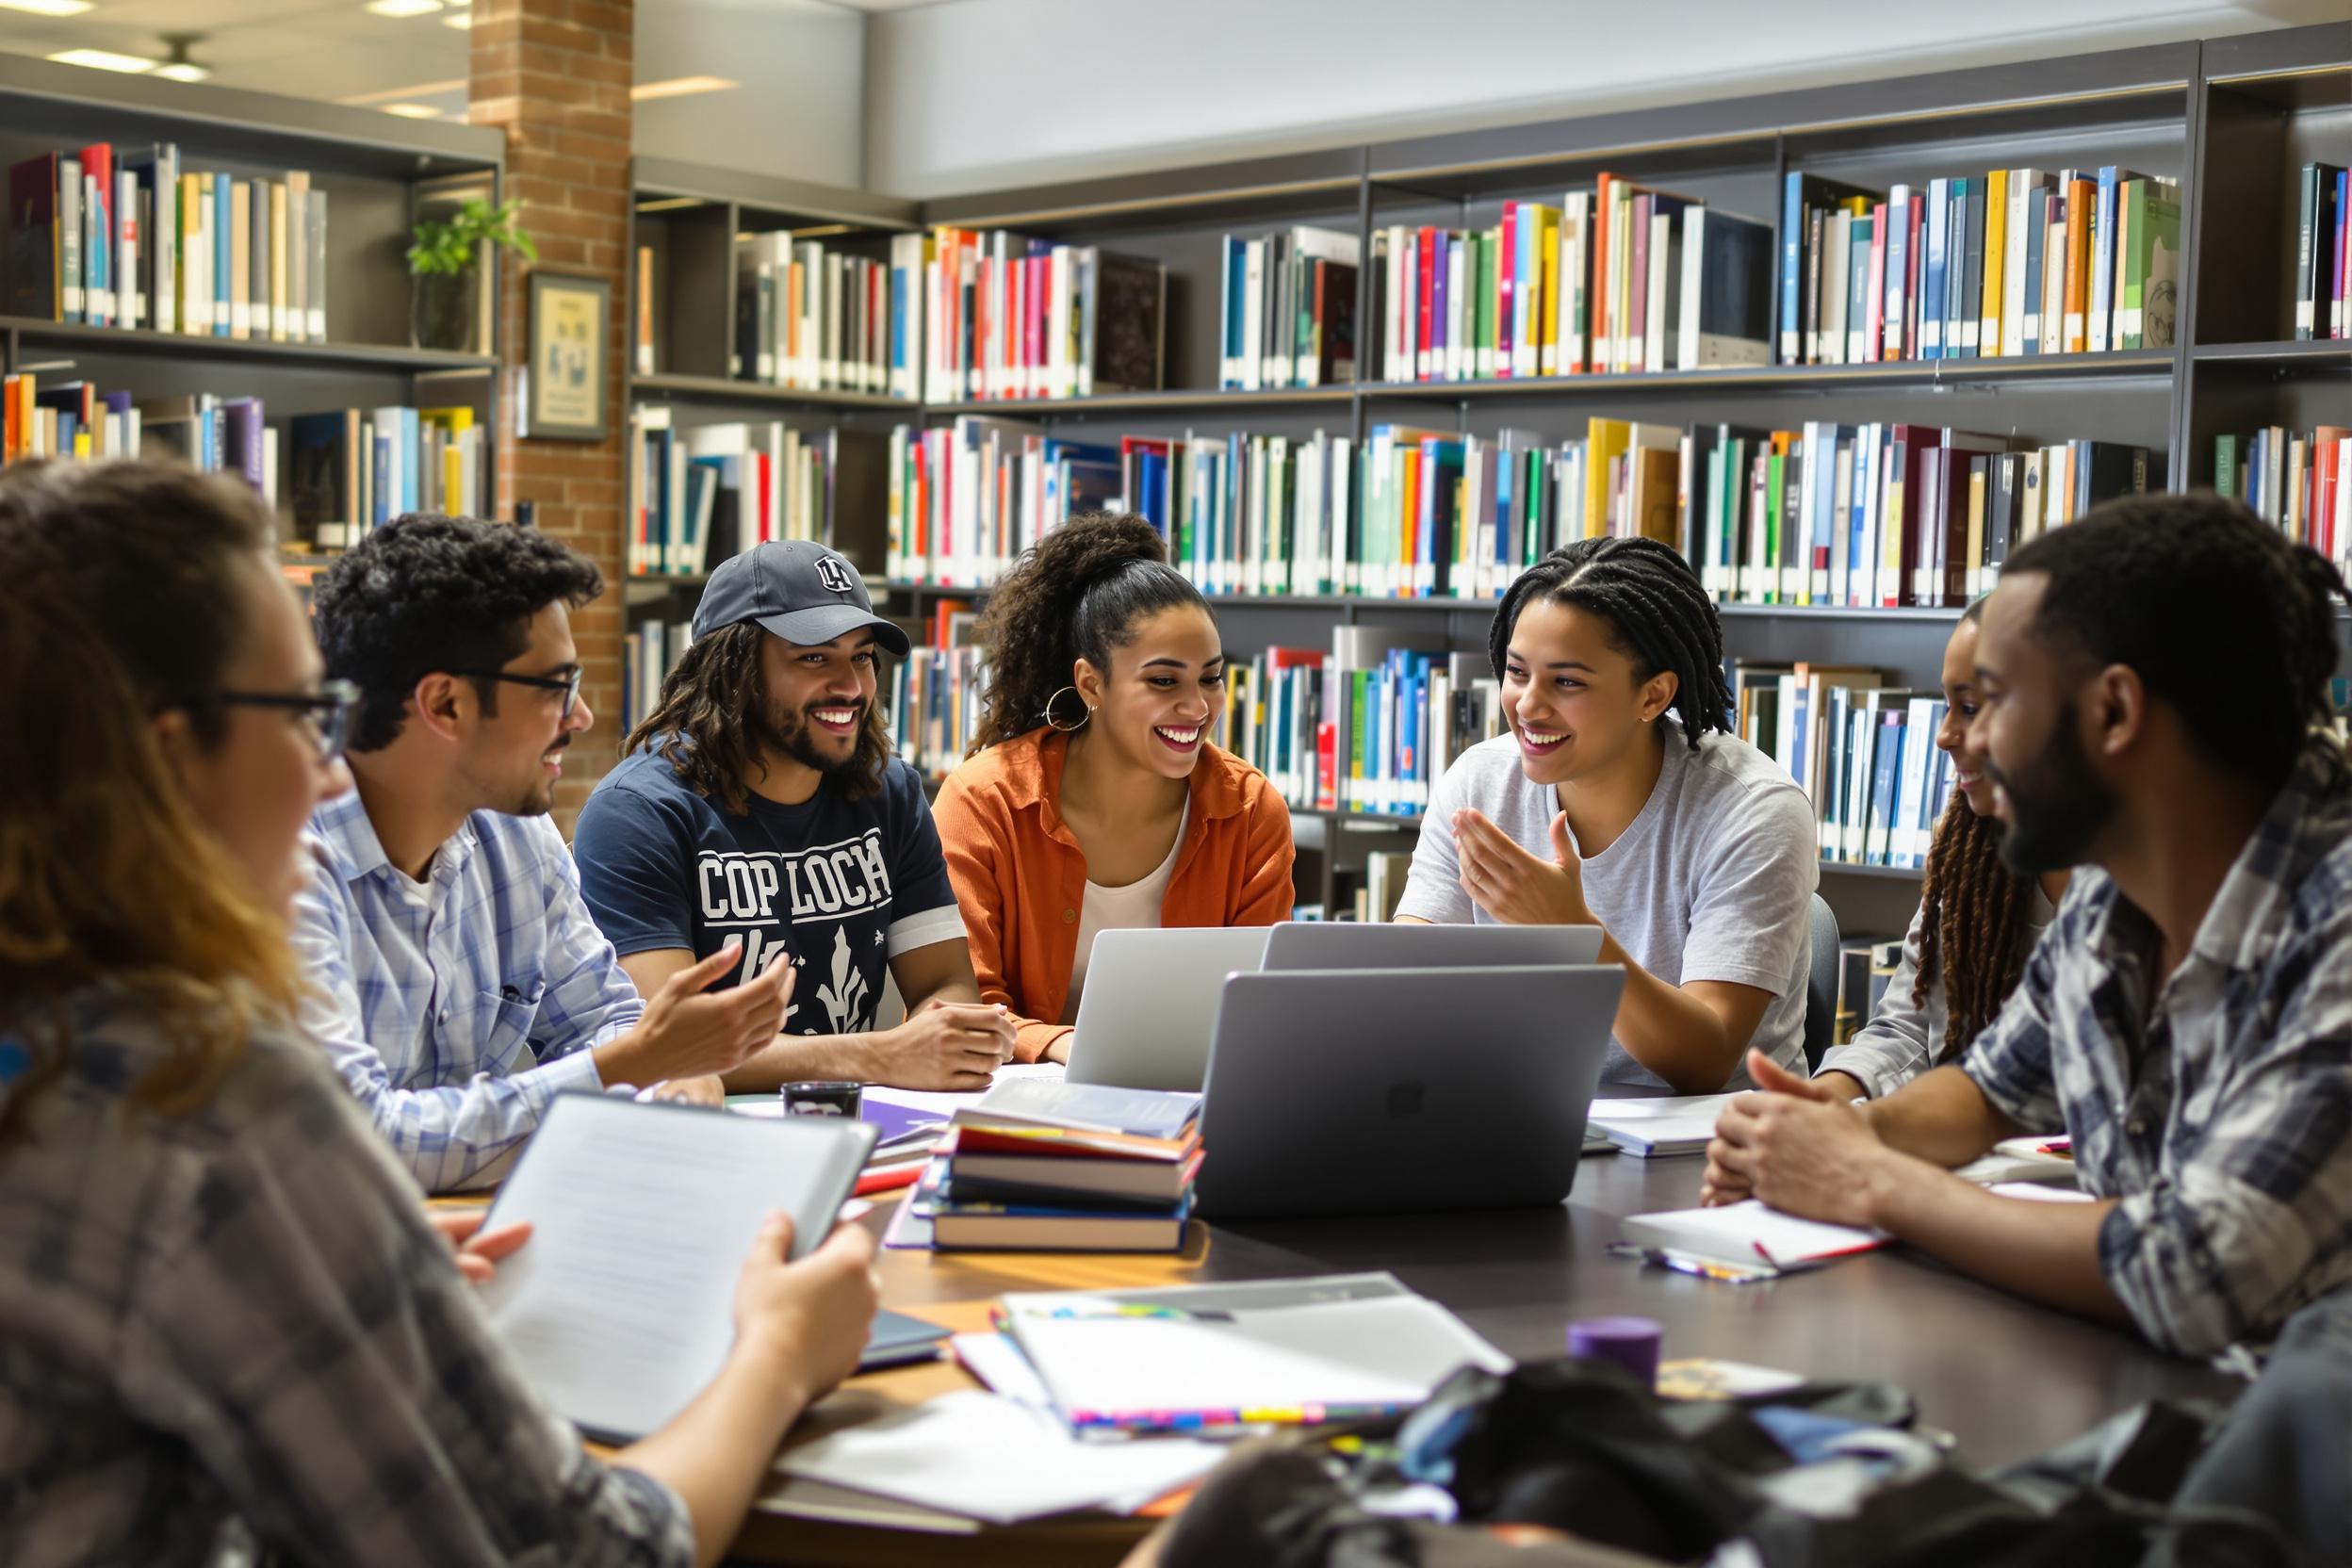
point(456, 1008)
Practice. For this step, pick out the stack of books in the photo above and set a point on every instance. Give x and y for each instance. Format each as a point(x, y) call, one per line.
point(1620, 278)
point(1289, 316)
point(1044, 1165)
point(2017, 261)
point(1006, 316)
point(133, 240)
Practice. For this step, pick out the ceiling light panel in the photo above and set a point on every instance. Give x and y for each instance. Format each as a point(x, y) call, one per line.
point(681, 87)
point(105, 60)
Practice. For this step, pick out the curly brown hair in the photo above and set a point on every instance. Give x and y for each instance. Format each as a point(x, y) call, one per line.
point(712, 723)
point(128, 582)
point(1076, 594)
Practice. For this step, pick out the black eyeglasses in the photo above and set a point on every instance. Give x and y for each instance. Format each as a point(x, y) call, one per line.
point(568, 684)
point(329, 713)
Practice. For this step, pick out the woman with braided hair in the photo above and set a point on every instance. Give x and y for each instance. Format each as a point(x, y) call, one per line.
point(1977, 918)
point(1093, 798)
point(1622, 798)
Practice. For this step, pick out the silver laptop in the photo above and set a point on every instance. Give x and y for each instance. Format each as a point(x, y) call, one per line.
point(1150, 1007)
point(1358, 944)
point(1353, 1091)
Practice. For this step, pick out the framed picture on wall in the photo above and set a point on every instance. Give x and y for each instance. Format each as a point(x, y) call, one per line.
point(569, 317)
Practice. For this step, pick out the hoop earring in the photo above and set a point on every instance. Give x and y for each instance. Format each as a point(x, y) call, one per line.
point(1064, 729)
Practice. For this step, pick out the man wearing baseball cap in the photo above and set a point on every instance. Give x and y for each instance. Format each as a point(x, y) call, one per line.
point(760, 806)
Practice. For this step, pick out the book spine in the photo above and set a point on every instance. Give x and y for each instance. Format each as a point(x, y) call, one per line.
point(130, 302)
point(2307, 244)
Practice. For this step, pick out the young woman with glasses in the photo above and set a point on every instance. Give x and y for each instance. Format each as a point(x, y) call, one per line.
point(220, 1298)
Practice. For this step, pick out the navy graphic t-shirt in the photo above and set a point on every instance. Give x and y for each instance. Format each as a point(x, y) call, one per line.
point(845, 885)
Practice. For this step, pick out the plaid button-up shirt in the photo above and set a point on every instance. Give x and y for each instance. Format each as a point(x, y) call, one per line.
point(2217, 1102)
point(242, 1313)
point(457, 1007)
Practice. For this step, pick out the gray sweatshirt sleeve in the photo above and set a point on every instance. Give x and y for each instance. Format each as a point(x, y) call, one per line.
point(1905, 1036)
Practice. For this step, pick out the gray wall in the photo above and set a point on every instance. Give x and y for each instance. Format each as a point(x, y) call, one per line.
point(978, 94)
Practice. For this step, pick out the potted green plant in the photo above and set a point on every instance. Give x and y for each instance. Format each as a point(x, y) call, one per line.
point(444, 264)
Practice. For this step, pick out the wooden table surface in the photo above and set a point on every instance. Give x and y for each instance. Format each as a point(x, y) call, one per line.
point(2005, 1378)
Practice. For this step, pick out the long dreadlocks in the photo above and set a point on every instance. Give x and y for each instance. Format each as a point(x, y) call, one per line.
point(1971, 917)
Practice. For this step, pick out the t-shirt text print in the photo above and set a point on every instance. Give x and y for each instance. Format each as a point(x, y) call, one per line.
point(757, 896)
point(842, 886)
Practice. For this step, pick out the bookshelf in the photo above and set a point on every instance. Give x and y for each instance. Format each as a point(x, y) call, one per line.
point(376, 170)
point(2231, 120)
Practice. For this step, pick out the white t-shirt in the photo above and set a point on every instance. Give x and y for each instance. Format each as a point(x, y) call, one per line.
point(1136, 904)
point(1713, 880)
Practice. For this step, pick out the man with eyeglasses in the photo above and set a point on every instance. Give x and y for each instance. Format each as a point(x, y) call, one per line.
point(458, 981)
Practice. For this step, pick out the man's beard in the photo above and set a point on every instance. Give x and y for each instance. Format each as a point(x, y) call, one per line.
point(539, 797)
point(2057, 805)
point(793, 733)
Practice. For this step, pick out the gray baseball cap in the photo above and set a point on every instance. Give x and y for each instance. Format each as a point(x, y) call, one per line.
point(798, 589)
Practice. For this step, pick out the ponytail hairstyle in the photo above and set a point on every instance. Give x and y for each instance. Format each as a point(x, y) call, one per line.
point(1660, 615)
point(1077, 594)
point(1973, 911)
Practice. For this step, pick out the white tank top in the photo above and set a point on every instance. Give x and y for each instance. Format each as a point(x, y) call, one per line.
point(1136, 904)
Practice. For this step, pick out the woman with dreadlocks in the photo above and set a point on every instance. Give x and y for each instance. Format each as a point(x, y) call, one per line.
point(1977, 918)
point(1622, 798)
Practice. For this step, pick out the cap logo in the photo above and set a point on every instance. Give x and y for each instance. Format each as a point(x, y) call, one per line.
point(834, 575)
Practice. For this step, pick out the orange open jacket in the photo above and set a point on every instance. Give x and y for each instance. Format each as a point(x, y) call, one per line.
point(1021, 877)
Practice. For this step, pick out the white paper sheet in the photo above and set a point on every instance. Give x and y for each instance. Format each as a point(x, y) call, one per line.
point(1226, 1351)
point(940, 1104)
point(990, 1458)
point(1749, 1233)
point(996, 1361)
point(620, 1307)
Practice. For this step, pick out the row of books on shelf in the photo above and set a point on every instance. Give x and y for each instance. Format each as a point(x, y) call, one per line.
point(1243, 513)
point(1861, 748)
point(1288, 315)
point(700, 494)
point(1622, 278)
point(649, 649)
point(139, 242)
point(810, 318)
point(338, 472)
point(1006, 315)
point(2299, 480)
point(2017, 261)
point(1880, 514)
point(2323, 253)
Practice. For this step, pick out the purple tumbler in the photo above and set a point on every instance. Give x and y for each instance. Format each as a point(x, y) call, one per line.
point(1631, 1342)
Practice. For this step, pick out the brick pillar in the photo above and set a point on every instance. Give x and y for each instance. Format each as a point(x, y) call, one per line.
point(556, 74)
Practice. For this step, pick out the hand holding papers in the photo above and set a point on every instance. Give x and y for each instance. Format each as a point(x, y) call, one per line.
point(626, 1301)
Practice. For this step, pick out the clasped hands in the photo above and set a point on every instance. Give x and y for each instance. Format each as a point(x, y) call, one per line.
point(1796, 1145)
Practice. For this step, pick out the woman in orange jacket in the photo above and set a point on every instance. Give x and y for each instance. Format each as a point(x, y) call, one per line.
point(1093, 798)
